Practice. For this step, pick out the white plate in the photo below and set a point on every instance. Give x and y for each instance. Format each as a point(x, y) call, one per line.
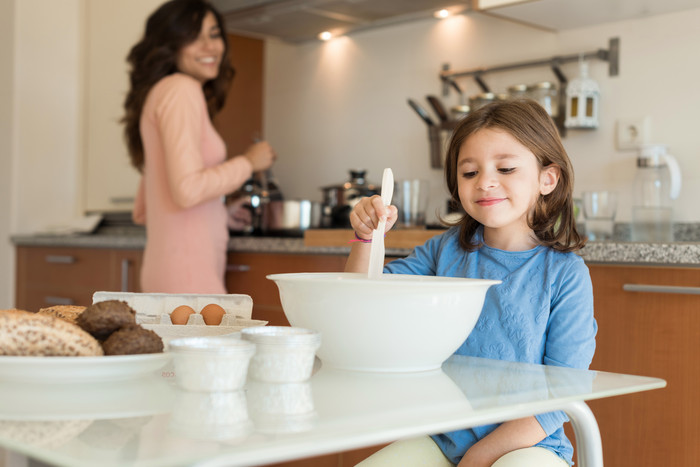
point(80, 369)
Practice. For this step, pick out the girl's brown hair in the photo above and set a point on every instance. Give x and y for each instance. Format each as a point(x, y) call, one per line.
point(552, 219)
point(172, 26)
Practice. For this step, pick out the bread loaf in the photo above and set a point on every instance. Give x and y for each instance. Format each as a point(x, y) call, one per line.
point(30, 334)
point(67, 312)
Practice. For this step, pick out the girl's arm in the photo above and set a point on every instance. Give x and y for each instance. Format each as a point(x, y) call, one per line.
point(509, 436)
point(570, 342)
point(364, 218)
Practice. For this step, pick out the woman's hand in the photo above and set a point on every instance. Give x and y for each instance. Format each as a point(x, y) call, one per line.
point(366, 214)
point(239, 215)
point(261, 156)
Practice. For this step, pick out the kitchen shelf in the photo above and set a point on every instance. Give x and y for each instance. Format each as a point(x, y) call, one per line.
point(610, 55)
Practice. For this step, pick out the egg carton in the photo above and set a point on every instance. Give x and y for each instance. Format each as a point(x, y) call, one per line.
point(155, 308)
point(153, 312)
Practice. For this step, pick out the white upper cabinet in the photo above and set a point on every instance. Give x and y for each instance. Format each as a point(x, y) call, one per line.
point(112, 28)
point(569, 14)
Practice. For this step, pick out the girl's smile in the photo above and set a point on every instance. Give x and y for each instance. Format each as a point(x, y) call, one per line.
point(489, 201)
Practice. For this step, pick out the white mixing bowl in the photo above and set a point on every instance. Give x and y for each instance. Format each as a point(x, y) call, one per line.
point(396, 323)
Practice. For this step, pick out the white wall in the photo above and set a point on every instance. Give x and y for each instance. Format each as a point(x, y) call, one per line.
point(7, 41)
point(42, 139)
point(48, 99)
point(342, 104)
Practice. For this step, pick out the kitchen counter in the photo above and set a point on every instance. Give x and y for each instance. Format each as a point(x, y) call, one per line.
point(684, 252)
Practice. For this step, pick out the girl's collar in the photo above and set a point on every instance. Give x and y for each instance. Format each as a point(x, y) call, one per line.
point(479, 239)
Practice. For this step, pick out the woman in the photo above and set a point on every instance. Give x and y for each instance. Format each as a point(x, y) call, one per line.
point(179, 80)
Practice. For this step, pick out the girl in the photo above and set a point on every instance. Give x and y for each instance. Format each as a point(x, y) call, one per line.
point(180, 75)
point(507, 168)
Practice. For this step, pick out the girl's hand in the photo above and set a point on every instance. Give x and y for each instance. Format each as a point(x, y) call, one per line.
point(366, 214)
point(261, 156)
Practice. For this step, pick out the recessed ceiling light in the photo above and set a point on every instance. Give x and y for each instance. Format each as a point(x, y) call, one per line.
point(442, 13)
point(325, 36)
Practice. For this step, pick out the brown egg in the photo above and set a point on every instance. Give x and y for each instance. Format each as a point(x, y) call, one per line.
point(180, 314)
point(212, 314)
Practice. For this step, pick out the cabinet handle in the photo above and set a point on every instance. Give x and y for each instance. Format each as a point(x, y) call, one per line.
point(59, 259)
point(121, 199)
point(125, 275)
point(58, 301)
point(237, 267)
point(661, 289)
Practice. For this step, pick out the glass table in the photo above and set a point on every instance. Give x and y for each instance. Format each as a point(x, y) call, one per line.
point(149, 422)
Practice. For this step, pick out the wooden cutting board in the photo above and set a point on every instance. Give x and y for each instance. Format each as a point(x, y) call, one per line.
point(400, 238)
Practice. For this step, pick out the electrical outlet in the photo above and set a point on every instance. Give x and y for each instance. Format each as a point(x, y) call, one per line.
point(632, 132)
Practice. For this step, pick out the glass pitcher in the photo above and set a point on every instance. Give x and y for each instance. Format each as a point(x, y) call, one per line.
point(657, 183)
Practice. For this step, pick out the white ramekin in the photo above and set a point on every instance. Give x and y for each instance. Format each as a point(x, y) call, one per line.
point(283, 354)
point(211, 364)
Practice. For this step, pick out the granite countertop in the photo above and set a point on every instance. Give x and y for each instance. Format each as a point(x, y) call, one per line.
point(685, 251)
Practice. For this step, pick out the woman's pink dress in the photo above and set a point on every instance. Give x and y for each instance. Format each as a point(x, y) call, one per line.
point(180, 195)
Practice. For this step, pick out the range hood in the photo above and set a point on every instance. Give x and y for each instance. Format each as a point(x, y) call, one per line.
point(299, 21)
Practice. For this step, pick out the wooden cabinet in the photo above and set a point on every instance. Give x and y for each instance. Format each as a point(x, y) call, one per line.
point(246, 274)
point(65, 276)
point(650, 334)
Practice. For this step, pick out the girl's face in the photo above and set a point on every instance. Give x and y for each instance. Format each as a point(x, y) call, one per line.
point(499, 181)
point(201, 58)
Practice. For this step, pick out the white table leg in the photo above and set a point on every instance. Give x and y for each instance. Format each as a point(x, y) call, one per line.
point(588, 443)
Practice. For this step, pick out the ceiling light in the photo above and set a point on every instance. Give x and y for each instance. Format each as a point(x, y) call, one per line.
point(442, 13)
point(325, 36)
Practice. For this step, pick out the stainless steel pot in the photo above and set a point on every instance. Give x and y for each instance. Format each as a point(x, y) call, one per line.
point(290, 216)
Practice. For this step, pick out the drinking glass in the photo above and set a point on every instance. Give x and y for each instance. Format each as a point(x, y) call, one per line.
point(411, 200)
point(599, 209)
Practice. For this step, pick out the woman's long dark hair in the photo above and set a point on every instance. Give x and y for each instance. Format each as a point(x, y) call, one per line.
point(525, 120)
point(171, 27)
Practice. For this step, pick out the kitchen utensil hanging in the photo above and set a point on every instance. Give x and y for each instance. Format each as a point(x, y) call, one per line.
point(438, 133)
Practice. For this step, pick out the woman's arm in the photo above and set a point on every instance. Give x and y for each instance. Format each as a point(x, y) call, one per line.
point(182, 117)
point(509, 436)
point(138, 215)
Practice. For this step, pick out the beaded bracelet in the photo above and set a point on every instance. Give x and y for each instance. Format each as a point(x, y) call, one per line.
point(358, 239)
point(363, 240)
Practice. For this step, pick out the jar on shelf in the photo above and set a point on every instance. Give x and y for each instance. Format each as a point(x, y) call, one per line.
point(481, 99)
point(545, 93)
point(518, 91)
